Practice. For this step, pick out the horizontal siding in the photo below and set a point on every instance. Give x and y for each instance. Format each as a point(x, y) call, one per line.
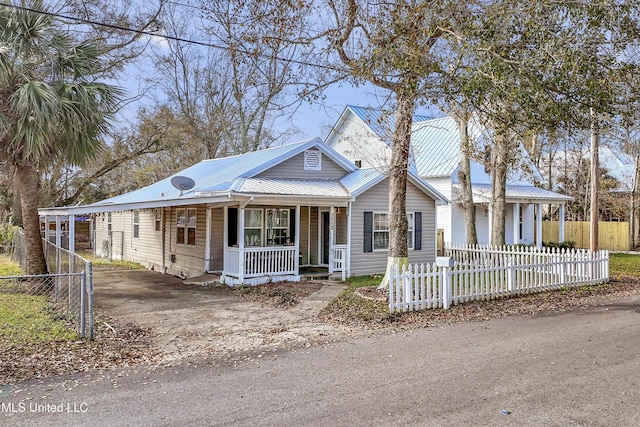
point(444, 212)
point(189, 260)
point(293, 168)
point(376, 199)
point(356, 142)
point(146, 249)
point(217, 239)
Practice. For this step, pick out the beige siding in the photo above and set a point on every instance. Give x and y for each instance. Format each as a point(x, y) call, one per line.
point(304, 234)
point(376, 200)
point(147, 248)
point(313, 237)
point(294, 169)
point(341, 227)
point(217, 239)
point(144, 249)
point(189, 260)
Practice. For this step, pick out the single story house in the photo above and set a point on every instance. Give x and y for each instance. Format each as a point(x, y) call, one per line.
point(262, 216)
point(363, 135)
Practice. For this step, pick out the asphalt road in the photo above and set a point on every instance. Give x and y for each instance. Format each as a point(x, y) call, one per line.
point(580, 367)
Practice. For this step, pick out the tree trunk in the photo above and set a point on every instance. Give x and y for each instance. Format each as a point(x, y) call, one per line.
point(595, 182)
point(17, 204)
point(464, 176)
point(27, 180)
point(499, 170)
point(398, 170)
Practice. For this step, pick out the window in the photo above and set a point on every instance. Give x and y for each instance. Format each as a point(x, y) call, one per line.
point(186, 220)
point(380, 231)
point(158, 219)
point(312, 160)
point(410, 235)
point(253, 227)
point(136, 224)
point(376, 231)
point(109, 223)
point(277, 226)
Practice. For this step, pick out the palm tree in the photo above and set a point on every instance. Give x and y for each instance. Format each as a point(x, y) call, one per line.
point(51, 108)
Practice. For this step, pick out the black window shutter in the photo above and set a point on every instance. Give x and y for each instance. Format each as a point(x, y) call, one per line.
point(292, 226)
point(417, 228)
point(368, 231)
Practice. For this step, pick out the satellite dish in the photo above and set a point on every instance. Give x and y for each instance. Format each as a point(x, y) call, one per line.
point(182, 183)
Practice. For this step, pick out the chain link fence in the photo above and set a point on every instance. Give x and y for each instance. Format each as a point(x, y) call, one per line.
point(65, 294)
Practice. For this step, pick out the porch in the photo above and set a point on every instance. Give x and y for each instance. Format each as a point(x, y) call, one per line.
point(254, 266)
point(281, 243)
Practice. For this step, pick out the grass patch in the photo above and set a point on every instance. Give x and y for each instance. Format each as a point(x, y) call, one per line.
point(8, 267)
point(349, 306)
point(362, 281)
point(103, 262)
point(624, 264)
point(31, 319)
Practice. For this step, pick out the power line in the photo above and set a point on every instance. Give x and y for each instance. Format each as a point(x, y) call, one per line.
point(164, 36)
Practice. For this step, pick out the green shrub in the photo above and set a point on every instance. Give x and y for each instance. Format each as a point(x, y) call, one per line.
point(567, 244)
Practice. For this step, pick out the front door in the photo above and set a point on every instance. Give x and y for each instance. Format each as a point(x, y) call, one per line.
point(324, 237)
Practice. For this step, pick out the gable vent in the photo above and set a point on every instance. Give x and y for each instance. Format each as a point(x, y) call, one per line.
point(312, 160)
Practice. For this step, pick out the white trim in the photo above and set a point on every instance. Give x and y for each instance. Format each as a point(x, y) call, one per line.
point(207, 244)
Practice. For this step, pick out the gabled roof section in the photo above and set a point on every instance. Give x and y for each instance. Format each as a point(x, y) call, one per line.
point(361, 180)
point(375, 119)
point(219, 175)
point(436, 146)
point(520, 193)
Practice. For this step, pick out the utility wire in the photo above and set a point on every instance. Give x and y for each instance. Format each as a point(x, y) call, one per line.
point(164, 36)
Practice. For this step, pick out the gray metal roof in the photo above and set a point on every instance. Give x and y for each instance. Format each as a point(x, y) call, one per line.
point(217, 180)
point(220, 175)
point(520, 193)
point(379, 121)
point(293, 187)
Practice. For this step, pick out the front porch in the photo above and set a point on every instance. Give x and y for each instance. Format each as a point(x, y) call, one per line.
point(280, 243)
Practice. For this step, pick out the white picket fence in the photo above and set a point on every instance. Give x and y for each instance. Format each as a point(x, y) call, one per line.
point(483, 273)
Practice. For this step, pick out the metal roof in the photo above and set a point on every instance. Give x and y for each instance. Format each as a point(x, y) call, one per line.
point(520, 193)
point(293, 187)
point(218, 180)
point(379, 121)
point(219, 175)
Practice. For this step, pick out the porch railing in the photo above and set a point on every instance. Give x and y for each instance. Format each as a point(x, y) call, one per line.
point(337, 259)
point(260, 261)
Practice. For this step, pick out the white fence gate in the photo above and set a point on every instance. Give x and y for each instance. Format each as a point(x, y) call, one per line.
point(481, 273)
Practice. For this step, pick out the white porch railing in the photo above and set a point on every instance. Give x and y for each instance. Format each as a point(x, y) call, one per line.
point(493, 273)
point(337, 259)
point(260, 261)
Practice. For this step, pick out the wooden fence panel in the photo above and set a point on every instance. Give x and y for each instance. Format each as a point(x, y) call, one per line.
point(612, 236)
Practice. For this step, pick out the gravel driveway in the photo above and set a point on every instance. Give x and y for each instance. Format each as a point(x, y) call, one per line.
point(187, 320)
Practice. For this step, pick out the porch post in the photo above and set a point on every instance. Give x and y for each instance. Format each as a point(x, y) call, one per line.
point(58, 231)
point(241, 244)
point(46, 227)
point(539, 225)
point(207, 244)
point(516, 223)
point(72, 233)
point(296, 257)
point(347, 256)
point(332, 226)
point(561, 224)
